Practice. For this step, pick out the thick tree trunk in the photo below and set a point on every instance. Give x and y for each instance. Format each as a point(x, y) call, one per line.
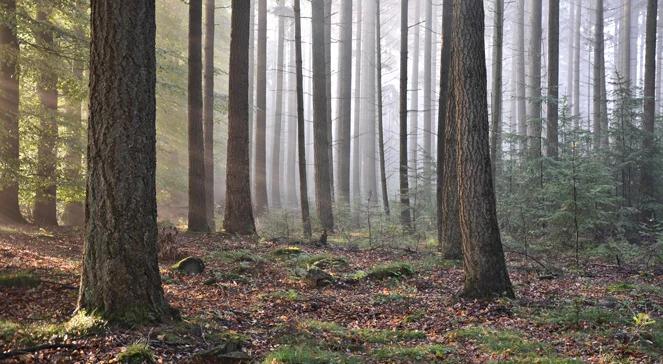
point(197, 196)
point(323, 198)
point(301, 140)
point(402, 170)
point(208, 112)
point(238, 217)
point(414, 99)
point(647, 183)
point(344, 107)
point(378, 63)
point(496, 132)
point(9, 103)
point(483, 259)
point(552, 145)
point(260, 174)
point(356, 147)
point(534, 86)
point(45, 209)
point(428, 99)
point(278, 117)
point(120, 277)
point(344, 119)
point(521, 94)
point(447, 181)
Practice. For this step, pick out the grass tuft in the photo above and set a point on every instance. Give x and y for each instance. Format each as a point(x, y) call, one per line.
point(137, 353)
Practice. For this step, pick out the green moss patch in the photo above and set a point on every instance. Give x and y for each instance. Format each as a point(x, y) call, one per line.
point(19, 279)
point(391, 270)
point(301, 354)
point(417, 354)
point(138, 353)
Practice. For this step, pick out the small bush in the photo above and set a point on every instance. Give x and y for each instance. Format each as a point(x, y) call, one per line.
point(138, 353)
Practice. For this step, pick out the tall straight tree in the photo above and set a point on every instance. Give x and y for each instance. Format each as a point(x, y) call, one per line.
point(483, 258)
point(576, 61)
point(291, 160)
point(402, 170)
point(278, 114)
point(344, 107)
point(356, 147)
point(260, 174)
point(367, 129)
point(496, 132)
point(428, 97)
point(552, 145)
point(447, 178)
point(197, 196)
point(521, 94)
point(414, 96)
point(208, 112)
point(323, 197)
point(45, 209)
point(534, 84)
point(9, 102)
point(238, 217)
point(328, 80)
point(648, 182)
point(120, 276)
point(378, 63)
point(600, 107)
point(625, 43)
point(301, 135)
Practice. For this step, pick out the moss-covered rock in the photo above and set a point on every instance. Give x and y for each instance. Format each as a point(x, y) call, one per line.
point(189, 265)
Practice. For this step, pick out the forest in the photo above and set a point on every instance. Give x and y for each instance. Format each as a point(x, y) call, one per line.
point(331, 181)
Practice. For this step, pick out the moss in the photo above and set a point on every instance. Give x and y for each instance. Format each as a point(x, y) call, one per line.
point(306, 355)
point(577, 315)
point(620, 287)
point(323, 261)
point(282, 295)
point(19, 279)
point(499, 341)
point(7, 330)
point(417, 354)
point(137, 353)
point(288, 252)
point(391, 270)
point(415, 316)
point(383, 299)
point(84, 324)
point(366, 335)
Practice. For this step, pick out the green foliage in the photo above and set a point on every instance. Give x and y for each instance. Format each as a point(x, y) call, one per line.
point(138, 353)
point(8, 329)
point(282, 295)
point(288, 252)
point(391, 270)
point(19, 279)
point(417, 354)
point(301, 354)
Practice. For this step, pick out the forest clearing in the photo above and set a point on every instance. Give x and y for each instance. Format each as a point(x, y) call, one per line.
point(383, 304)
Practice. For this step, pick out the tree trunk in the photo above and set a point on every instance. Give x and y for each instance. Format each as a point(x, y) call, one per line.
point(485, 268)
point(291, 177)
point(9, 103)
point(45, 209)
point(648, 182)
point(552, 146)
point(428, 99)
point(301, 140)
point(521, 94)
point(569, 60)
point(356, 147)
point(260, 174)
point(414, 99)
point(328, 73)
point(238, 217)
point(197, 196)
point(378, 63)
point(344, 119)
point(278, 116)
point(599, 76)
point(447, 182)
point(367, 128)
point(323, 197)
point(534, 86)
point(576, 64)
point(208, 112)
point(403, 172)
point(496, 133)
point(120, 277)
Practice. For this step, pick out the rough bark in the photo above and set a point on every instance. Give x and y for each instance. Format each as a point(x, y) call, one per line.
point(599, 76)
point(208, 112)
point(496, 132)
point(428, 99)
point(647, 183)
point(344, 107)
point(402, 170)
point(278, 116)
point(45, 208)
point(197, 201)
point(238, 217)
point(9, 104)
point(483, 258)
point(323, 198)
point(120, 277)
point(378, 63)
point(301, 133)
point(534, 84)
point(260, 174)
point(447, 181)
point(552, 145)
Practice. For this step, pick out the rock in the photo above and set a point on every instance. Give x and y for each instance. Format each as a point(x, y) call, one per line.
point(190, 265)
point(316, 277)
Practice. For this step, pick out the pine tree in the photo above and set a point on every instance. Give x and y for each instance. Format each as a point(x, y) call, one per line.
point(403, 171)
point(344, 119)
point(208, 112)
point(260, 174)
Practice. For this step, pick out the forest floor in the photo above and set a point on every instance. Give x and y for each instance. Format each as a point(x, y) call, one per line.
point(385, 305)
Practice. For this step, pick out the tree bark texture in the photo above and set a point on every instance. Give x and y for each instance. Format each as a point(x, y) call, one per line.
point(260, 174)
point(403, 170)
point(208, 112)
